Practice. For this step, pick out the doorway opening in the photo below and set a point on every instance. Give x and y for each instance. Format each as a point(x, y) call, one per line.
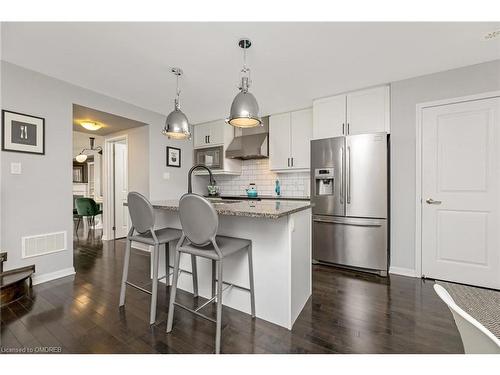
point(108, 162)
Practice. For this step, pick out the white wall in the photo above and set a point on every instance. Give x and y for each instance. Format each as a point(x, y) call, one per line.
point(405, 95)
point(40, 199)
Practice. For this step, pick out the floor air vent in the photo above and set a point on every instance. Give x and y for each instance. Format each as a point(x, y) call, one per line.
point(43, 244)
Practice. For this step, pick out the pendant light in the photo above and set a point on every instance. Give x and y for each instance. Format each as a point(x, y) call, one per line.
point(177, 124)
point(82, 156)
point(244, 109)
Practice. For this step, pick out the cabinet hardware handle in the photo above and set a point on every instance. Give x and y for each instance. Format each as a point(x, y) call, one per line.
point(288, 162)
point(348, 128)
point(208, 139)
point(343, 129)
point(292, 162)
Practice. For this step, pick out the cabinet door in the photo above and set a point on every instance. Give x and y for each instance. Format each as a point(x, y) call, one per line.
point(279, 141)
point(201, 133)
point(216, 133)
point(301, 134)
point(368, 111)
point(329, 117)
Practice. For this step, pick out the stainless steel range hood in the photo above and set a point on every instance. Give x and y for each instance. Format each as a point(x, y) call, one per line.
point(252, 143)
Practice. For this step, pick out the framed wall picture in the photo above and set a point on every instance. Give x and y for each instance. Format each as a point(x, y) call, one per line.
point(173, 157)
point(23, 133)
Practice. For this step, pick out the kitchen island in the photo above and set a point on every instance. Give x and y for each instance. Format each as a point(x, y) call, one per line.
point(281, 234)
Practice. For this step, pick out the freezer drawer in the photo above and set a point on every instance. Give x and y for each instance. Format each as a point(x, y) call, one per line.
point(351, 241)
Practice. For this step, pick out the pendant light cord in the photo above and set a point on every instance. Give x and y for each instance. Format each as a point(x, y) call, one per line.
point(178, 92)
point(245, 76)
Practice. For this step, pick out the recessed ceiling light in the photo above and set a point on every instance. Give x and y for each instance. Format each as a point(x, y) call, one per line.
point(491, 35)
point(90, 125)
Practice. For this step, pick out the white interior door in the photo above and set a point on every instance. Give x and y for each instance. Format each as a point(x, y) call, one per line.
point(121, 189)
point(460, 192)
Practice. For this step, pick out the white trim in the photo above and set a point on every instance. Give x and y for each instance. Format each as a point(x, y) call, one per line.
point(418, 161)
point(402, 271)
point(39, 279)
point(107, 226)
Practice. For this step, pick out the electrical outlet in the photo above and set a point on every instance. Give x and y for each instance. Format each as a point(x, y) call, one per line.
point(166, 175)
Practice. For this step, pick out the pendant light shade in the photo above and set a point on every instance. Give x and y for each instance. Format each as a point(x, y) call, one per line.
point(80, 158)
point(177, 124)
point(244, 109)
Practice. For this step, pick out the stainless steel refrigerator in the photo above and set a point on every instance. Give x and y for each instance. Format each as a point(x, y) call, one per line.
point(349, 189)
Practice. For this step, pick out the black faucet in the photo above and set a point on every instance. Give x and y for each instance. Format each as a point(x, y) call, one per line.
point(190, 187)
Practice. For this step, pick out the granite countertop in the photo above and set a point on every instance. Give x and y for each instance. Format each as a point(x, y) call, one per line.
point(260, 197)
point(270, 209)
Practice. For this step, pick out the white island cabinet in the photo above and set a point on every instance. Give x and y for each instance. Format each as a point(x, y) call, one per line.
point(281, 237)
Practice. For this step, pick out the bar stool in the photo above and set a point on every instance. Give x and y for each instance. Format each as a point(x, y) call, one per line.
point(143, 222)
point(200, 223)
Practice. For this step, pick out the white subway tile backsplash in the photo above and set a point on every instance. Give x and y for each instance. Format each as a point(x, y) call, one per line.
point(257, 171)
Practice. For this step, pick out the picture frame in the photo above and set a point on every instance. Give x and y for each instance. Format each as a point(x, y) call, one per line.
point(23, 133)
point(173, 157)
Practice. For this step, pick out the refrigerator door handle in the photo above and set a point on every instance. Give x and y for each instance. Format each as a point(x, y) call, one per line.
point(348, 174)
point(353, 222)
point(342, 175)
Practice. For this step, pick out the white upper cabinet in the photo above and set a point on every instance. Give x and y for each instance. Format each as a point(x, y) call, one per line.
point(368, 111)
point(329, 117)
point(289, 140)
point(359, 112)
point(209, 134)
point(219, 135)
point(279, 141)
point(301, 134)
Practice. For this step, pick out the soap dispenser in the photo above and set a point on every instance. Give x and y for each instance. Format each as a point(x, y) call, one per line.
point(277, 189)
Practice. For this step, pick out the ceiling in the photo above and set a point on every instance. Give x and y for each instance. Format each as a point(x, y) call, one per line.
point(291, 63)
point(110, 123)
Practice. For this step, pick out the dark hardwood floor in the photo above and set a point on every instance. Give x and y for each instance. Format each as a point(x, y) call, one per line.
point(348, 313)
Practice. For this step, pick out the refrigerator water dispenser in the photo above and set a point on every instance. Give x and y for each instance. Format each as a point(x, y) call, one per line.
point(323, 181)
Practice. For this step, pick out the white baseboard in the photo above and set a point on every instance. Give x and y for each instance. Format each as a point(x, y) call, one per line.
point(403, 271)
point(38, 279)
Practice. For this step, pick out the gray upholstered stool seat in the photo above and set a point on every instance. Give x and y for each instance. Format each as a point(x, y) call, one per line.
point(227, 245)
point(143, 223)
point(199, 238)
point(163, 235)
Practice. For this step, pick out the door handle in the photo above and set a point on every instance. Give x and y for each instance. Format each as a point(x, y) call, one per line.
point(348, 175)
point(342, 175)
point(432, 201)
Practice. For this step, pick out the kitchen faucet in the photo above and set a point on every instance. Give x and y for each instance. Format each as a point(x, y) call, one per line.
point(190, 187)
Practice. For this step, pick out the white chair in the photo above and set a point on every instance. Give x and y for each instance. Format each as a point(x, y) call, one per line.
point(475, 337)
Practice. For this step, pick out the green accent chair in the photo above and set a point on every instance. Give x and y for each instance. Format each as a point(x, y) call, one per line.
point(87, 208)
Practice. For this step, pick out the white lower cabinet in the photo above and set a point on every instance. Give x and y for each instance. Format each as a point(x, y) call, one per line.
point(289, 140)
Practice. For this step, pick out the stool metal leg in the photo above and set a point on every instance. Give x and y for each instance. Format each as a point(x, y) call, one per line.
point(167, 264)
point(154, 292)
point(214, 270)
point(126, 263)
point(173, 292)
point(252, 287)
point(194, 268)
point(219, 310)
